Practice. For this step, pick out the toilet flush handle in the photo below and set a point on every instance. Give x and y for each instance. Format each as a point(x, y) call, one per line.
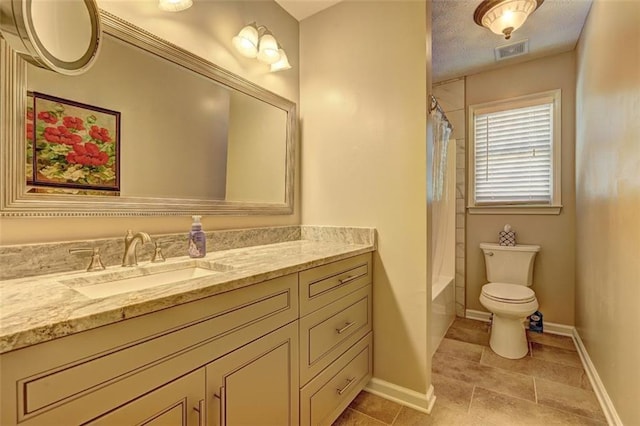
point(489, 253)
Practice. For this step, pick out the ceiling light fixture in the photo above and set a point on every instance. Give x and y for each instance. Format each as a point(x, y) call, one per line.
point(504, 16)
point(174, 5)
point(255, 41)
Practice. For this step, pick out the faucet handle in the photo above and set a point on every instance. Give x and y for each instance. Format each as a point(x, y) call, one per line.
point(157, 254)
point(96, 263)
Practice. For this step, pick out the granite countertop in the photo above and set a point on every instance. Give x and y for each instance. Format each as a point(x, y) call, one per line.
point(42, 308)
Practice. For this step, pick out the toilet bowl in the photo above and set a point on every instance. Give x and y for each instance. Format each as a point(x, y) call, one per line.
point(510, 305)
point(508, 296)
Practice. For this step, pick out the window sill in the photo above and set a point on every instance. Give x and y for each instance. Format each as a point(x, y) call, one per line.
point(533, 209)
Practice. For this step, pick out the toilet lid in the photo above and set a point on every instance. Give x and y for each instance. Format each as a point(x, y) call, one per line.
point(508, 293)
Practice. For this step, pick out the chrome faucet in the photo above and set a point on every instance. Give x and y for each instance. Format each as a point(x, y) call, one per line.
point(130, 243)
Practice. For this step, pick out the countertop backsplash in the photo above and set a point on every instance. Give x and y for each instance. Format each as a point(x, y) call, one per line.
point(27, 260)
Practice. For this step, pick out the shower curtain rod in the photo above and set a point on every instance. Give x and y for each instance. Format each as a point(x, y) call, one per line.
point(435, 105)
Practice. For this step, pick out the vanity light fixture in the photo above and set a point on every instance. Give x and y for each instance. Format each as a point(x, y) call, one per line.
point(504, 16)
point(255, 41)
point(174, 5)
point(283, 63)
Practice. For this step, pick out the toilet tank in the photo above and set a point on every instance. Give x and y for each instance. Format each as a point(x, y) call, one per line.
point(509, 264)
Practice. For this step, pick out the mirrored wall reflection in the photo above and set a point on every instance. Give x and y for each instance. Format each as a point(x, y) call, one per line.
point(181, 135)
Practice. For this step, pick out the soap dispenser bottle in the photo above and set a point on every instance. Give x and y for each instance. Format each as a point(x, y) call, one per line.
point(197, 239)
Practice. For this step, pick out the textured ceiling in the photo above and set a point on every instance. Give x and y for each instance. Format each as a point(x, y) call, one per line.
point(460, 47)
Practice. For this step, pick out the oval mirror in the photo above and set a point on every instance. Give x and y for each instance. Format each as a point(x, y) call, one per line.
point(63, 36)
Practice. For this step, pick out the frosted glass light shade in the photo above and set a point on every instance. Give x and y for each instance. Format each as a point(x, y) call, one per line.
point(506, 16)
point(268, 49)
point(282, 64)
point(174, 5)
point(246, 42)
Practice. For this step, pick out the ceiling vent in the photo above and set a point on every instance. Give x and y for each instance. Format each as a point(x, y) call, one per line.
point(512, 50)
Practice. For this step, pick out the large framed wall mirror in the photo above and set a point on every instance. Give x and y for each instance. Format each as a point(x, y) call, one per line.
point(192, 137)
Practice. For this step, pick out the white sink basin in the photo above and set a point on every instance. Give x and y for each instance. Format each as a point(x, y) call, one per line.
point(115, 283)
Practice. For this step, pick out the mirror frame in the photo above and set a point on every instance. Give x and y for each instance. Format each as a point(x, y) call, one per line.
point(15, 201)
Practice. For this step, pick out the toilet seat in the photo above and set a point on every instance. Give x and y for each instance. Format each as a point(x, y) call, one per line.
point(508, 293)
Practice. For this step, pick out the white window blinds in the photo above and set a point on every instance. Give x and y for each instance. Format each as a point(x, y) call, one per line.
point(513, 156)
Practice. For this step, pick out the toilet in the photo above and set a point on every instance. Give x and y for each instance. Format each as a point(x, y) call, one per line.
point(507, 295)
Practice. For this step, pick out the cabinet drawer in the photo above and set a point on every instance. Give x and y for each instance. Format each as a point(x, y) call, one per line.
point(324, 284)
point(50, 375)
point(329, 331)
point(328, 394)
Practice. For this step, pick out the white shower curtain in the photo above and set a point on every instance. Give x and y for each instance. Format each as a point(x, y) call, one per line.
point(440, 218)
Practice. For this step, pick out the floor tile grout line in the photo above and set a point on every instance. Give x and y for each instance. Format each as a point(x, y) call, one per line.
point(473, 391)
point(371, 417)
point(397, 414)
point(504, 394)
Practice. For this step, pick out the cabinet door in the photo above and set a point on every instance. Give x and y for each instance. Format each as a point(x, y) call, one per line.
point(178, 403)
point(256, 384)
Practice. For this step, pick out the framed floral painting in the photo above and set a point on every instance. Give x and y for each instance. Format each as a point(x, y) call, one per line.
point(74, 145)
point(30, 136)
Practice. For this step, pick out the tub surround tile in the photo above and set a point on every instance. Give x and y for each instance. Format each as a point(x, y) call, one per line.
point(457, 120)
point(38, 309)
point(569, 398)
point(450, 94)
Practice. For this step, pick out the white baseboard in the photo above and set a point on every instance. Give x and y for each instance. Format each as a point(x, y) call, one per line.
point(568, 330)
point(549, 327)
point(477, 315)
point(416, 400)
point(598, 387)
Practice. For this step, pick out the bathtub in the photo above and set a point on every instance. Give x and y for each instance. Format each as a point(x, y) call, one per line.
point(443, 308)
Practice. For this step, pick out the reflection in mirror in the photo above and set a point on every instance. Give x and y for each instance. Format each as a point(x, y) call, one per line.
point(193, 137)
point(182, 135)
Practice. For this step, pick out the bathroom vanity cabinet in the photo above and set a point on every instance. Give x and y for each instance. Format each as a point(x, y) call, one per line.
point(291, 350)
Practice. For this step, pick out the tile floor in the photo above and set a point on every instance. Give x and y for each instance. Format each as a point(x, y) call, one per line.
point(474, 386)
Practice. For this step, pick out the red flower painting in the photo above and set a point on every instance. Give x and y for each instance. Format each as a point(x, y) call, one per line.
point(76, 145)
point(75, 123)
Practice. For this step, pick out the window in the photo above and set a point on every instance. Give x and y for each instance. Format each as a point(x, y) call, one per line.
point(514, 155)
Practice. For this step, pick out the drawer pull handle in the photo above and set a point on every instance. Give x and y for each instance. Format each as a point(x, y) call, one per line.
point(345, 328)
point(349, 383)
point(200, 410)
point(347, 279)
point(223, 405)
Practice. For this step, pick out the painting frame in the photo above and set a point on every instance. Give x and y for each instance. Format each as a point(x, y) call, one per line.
point(75, 145)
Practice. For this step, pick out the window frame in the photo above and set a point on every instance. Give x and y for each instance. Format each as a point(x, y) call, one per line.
point(555, 206)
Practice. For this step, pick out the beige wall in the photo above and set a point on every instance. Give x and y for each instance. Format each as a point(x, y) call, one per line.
point(256, 157)
point(205, 29)
point(554, 273)
point(363, 83)
point(608, 199)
